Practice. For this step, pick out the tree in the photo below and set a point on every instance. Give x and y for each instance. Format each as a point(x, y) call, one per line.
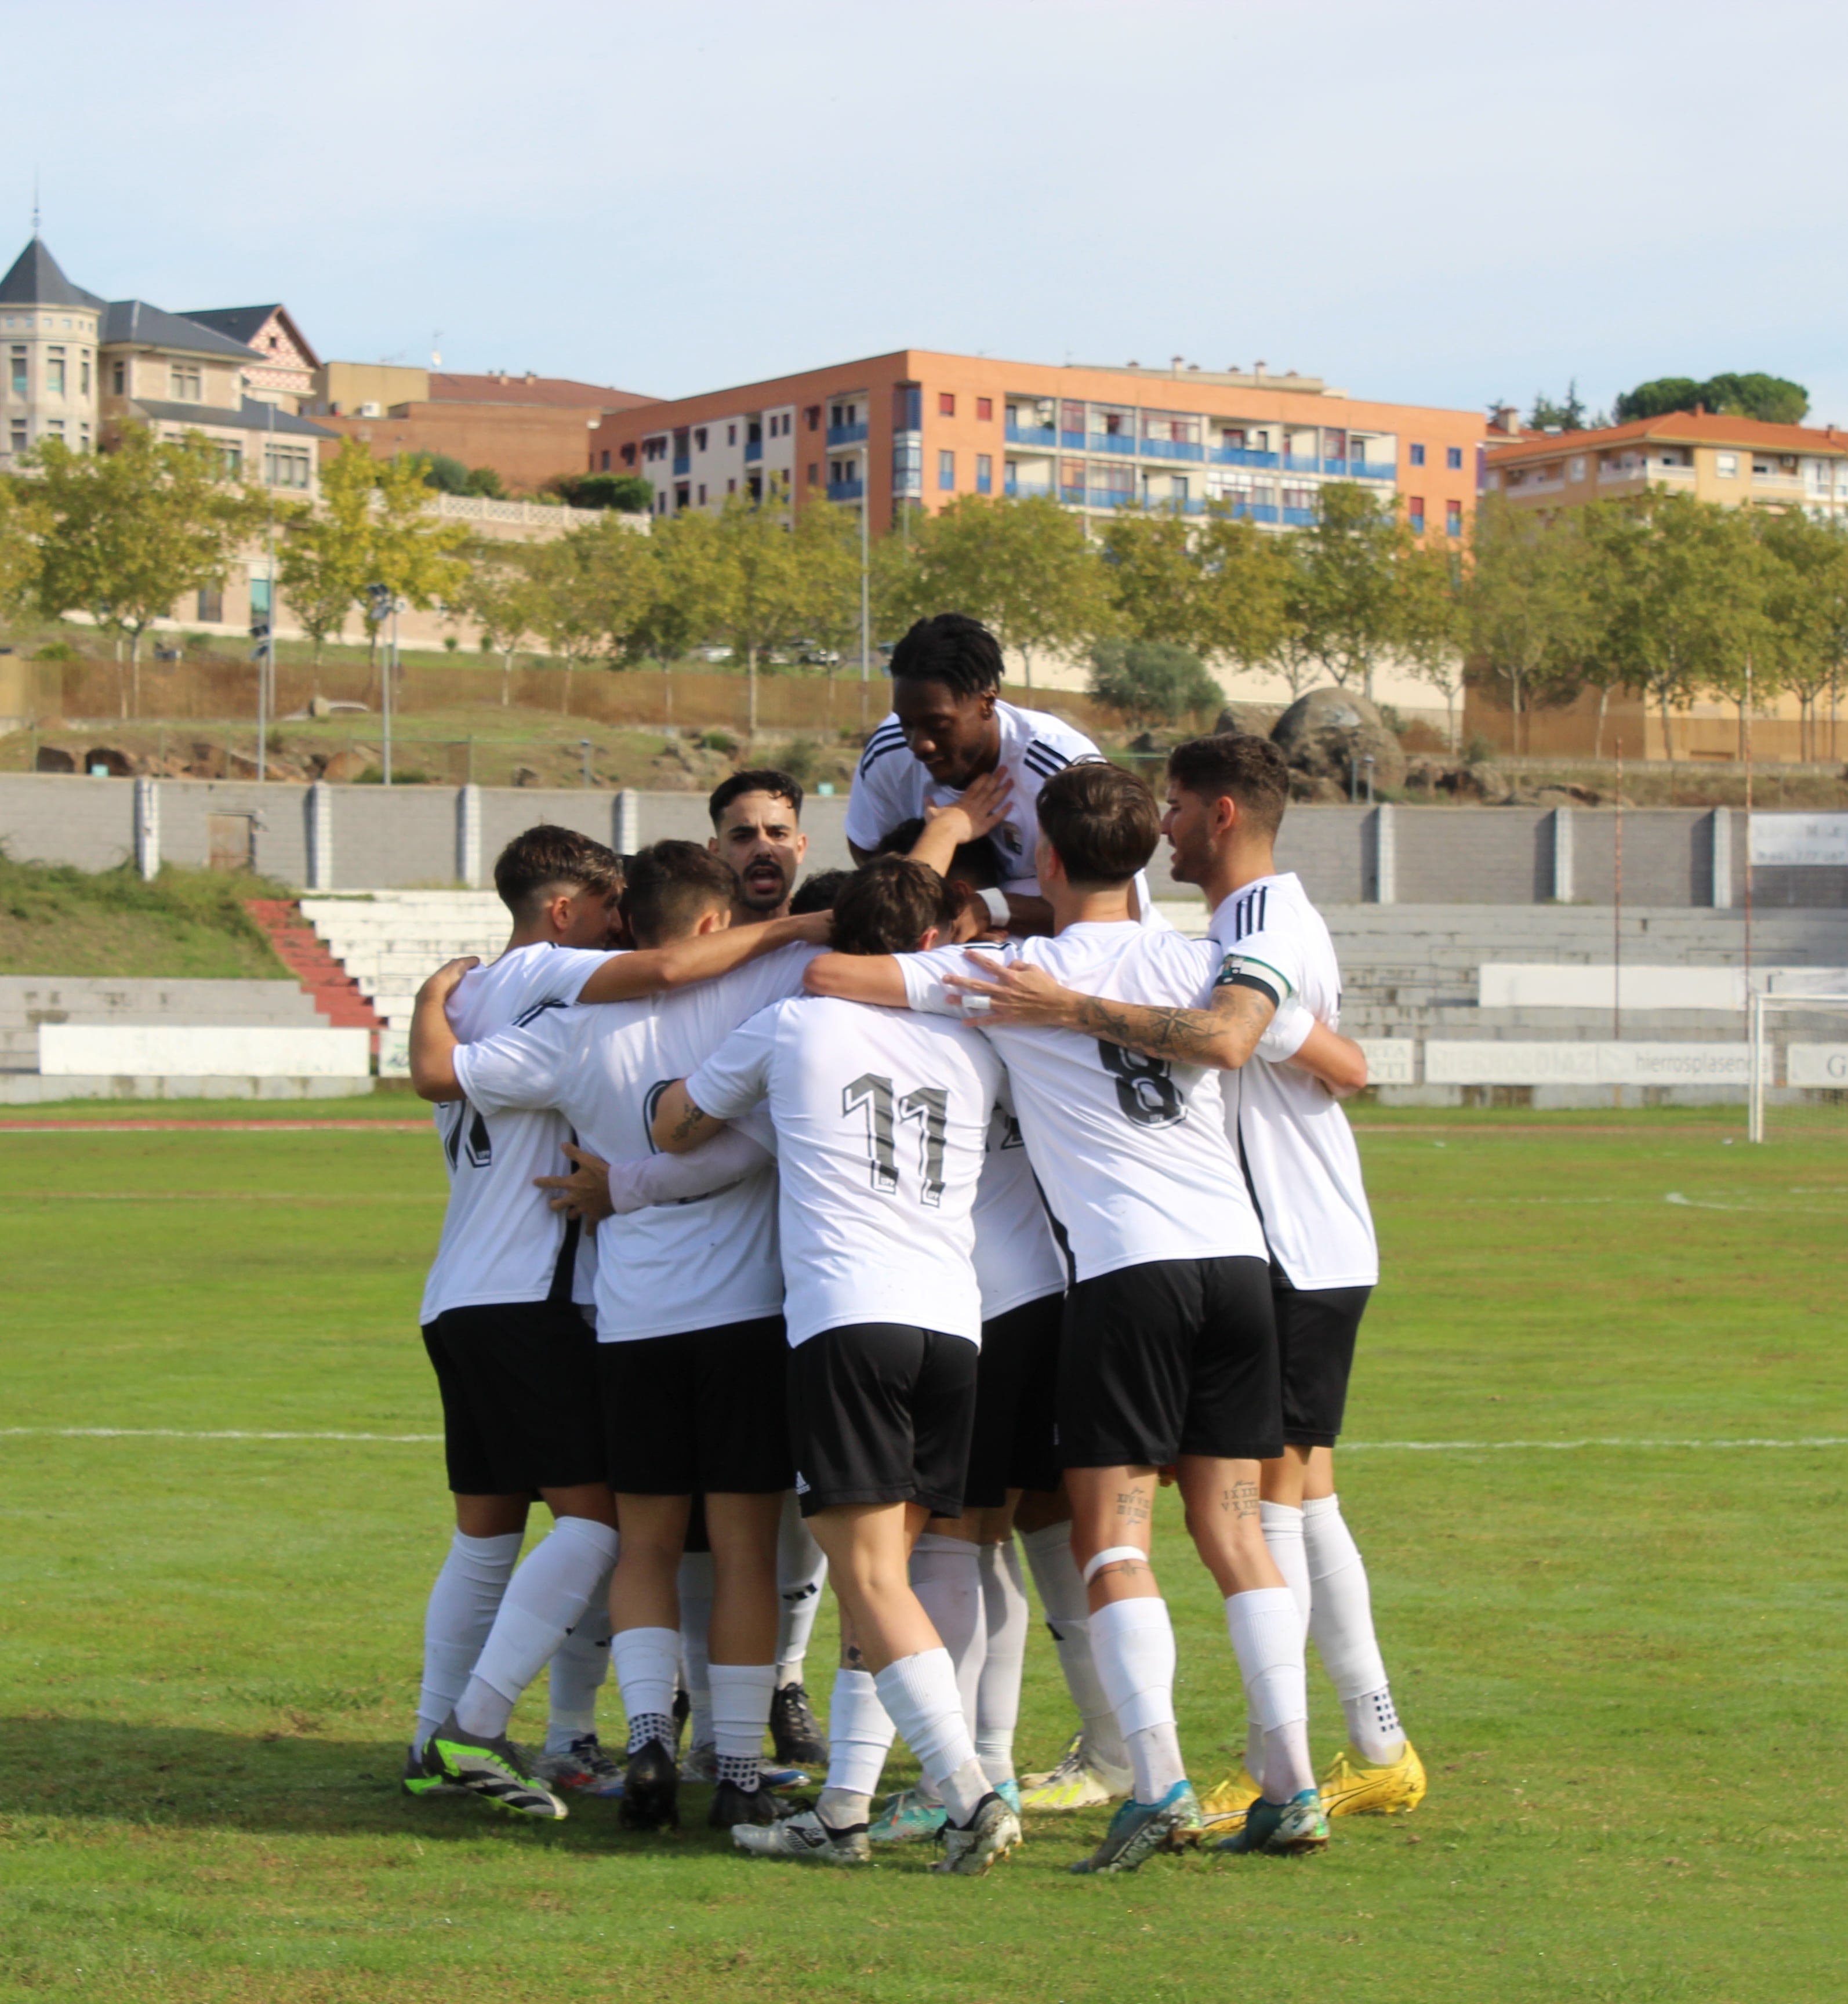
point(1808, 600)
point(128, 533)
point(439, 470)
point(1525, 602)
point(23, 522)
point(1431, 627)
point(1773, 399)
point(632, 493)
point(591, 590)
point(325, 564)
point(1342, 596)
point(1152, 681)
point(1567, 415)
point(1024, 568)
point(502, 598)
point(411, 551)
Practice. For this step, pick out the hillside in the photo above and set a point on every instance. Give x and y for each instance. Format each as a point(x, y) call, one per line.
point(189, 923)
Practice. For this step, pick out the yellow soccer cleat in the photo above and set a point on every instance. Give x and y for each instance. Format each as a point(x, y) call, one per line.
point(1350, 1786)
point(1080, 1781)
point(1224, 1804)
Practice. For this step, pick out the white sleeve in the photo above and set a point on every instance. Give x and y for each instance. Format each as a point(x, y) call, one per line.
point(559, 976)
point(1272, 960)
point(653, 1180)
point(873, 805)
point(736, 1075)
point(530, 1065)
point(1286, 1032)
point(923, 973)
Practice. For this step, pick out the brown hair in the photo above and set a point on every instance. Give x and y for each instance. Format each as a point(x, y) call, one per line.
point(1238, 766)
point(757, 780)
point(671, 886)
point(889, 906)
point(546, 856)
point(1101, 821)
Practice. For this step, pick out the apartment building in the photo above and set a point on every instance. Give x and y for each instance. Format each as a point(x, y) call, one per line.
point(1731, 461)
point(913, 429)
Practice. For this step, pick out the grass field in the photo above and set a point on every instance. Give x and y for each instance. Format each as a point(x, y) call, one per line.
point(1623, 1663)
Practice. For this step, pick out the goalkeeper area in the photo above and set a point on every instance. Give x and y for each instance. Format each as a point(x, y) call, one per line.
point(1597, 1458)
point(1798, 1084)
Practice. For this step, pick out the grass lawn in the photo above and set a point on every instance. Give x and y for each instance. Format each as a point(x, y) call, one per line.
point(187, 924)
point(1622, 1662)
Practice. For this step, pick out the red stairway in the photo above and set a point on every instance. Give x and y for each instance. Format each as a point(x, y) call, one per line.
point(336, 995)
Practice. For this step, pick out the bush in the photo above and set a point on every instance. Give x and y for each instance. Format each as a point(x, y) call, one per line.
point(628, 493)
point(447, 475)
point(1479, 752)
point(56, 650)
point(484, 481)
point(1152, 681)
point(718, 741)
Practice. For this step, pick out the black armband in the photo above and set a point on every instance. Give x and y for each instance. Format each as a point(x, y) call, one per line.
point(1238, 973)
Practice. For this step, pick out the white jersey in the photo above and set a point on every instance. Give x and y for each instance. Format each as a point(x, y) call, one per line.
point(1293, 1137)
point(880, 1121)
point(891, 787)
point(501, 1241)
point(1131, 1151)
point(1017, 1259)
point(703, 1263)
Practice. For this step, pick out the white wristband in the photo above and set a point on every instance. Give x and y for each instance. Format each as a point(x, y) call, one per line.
point(996, 901)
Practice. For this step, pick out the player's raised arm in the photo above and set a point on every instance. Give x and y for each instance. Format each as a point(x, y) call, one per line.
point(433, 1042)
point(630, 977)
point(858, 977)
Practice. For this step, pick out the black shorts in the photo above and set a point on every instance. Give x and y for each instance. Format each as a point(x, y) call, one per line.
point(880, 1412)
point(1315, 1331)
point(1172, 1358)
point(701, 1411)
point(519, 1385)
point(1016, 1385)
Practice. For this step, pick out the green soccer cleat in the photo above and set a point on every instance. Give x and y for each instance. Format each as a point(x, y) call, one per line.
point(909, 1817)
point(991, 1833)
point(417, 1785)
point(1284, 1830)
point(1080, 1781)
point(492, 1767)
point(1139, 1829)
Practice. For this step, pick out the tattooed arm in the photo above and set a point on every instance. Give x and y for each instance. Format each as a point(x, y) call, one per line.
point(679, 1125)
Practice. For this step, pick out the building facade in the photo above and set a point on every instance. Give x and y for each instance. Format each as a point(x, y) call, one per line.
point(914, 428)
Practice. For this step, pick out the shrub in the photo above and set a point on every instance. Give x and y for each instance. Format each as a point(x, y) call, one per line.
point(1152, 681)
point(629, 493)
point(56, 650)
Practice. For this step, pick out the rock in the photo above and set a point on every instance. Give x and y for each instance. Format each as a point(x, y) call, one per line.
point(341, 769)
point(1323, 733)
point(1238, 720)
point(525, 775)
point(51, 759)
point(1316, 790)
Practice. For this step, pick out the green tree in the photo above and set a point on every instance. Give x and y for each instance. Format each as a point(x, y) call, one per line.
point(632, 493)
point(128, 533)
point(1566, 416)
point(485, 481)
point(1807, 599)
point(1434, 631)
point(1152, 681)
point(591, 591)
point(1024, 568)
point(1342, 597)
point(411, 550)
point(1773, 399)
point(324, 563)
point(439, 470)
point(502, 598)
point(1526, 603)
point(22, 524)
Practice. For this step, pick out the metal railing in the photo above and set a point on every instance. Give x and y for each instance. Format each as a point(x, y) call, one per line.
point(1237, 455)
point(1029, 434)
point(846, 435)
point(1123, 441)
point(1171, 449)
point(1110, 497)
point(753, 449)
point(1027, 490)
point(683, 463)
point(846, 490)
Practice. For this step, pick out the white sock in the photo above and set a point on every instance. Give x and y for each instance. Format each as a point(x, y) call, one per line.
point(997, 1695)
point(1283, 1540)
point(920, 1693)
point(1133, 1641)
point(578, 1669)
point(545, 1602)
point(946, 1575)
point(1267, 1636)
point(696, 1583)
point(1341, 1623)
point(741, 1716)
point(464, 1601)
point(1062, 1590)
point(801, 1573)
point(859, 1735)
point(647, 1662)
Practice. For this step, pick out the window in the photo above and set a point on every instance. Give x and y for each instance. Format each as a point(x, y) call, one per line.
point(1452, 457)
point(984, 408)
point(702, 493)
point(286, 465)
point(1726, 465)
point(700, 443)
point(188, 387)
point(1418, 455)
point(1575, 469)
point(605, 466)
point(230, 460)
point(83, 438)
point(731, 435)
point(1453, 518)
point(946, 472)
point(628, 455)
point(259, 598)
point(121, 375)
point(730, 486)
point(54, 371)
point(19, 435)
point(946, 403)
point(984, 474)
point(18, 377)
point(1414, 507)
point(813, 470)
point(814, 415)
point(55, 427)
point(682, 493)
point(212, 604)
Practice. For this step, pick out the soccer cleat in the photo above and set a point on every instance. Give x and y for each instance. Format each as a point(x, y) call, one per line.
point(1285, 1829)
point(1009, 1792)
point(651, 1789)
point(1350, 1786)
point(909, 1817)
point(795, 1731)
point(732, 1806)
point(490, 1767)
point(991, 1833)
point(1224, 1804)
point(701, 1767)
point(1139, 1829)
point(1080, 1781)
point(416, 1784)
point(582, 1769)
point(806, 1838)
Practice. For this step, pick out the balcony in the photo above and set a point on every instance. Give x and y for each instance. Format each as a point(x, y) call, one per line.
point(1361, 469)
point(1027, 490)
point(846, 435)
point(1042, 435)
point(1171, 449)
point(1236, 455)
point(1174, 504)
point(1298, 518)
point(683, 464)
point(1294, 462)
point(1110, 497)
point(1122, 442)
point(1252, 511)
point(1072, 441)
point(753, 450)
point(846, 490)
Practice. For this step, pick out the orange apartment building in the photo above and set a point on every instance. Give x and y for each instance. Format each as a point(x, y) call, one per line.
point(913, 429)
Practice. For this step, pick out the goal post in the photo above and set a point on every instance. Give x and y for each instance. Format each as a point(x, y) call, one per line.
point(1797, 1078)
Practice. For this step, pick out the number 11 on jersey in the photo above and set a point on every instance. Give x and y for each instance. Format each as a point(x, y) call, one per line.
point(873, 1097)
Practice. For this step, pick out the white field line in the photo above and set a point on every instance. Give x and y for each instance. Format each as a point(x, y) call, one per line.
point(1347, 1447)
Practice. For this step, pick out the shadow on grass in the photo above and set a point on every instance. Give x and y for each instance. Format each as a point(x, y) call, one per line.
point(54, 1770)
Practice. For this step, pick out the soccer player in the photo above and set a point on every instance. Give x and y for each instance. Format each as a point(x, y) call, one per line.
point(882, 1120)
point(689, 1352)
point(949, 725)
point(505, 1328)
point(756, 827)
point(1226, 798)
point(1168, 1354)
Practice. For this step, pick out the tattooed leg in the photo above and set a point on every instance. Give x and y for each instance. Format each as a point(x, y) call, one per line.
point(1222, 1498)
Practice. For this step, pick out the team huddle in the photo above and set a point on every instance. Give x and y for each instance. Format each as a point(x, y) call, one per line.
point(872, 1231)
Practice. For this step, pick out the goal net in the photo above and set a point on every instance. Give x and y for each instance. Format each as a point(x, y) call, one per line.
point(1799, 1077)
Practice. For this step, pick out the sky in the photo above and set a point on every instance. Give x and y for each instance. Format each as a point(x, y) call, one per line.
point(1437, 203)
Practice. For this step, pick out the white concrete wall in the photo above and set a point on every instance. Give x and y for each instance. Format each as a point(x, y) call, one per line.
point(168, 1050)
